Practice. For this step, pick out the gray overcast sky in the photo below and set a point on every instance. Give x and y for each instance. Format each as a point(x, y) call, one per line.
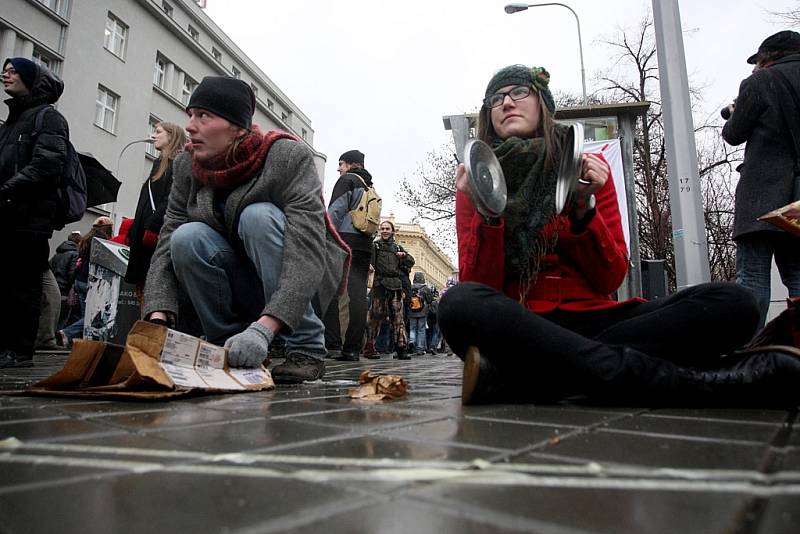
point(379, 76)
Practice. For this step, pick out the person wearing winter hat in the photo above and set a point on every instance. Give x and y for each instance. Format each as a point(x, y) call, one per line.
point(766, 116)
point(346, 317)
point(30, 165)
point(246, 237)
point(534, 317)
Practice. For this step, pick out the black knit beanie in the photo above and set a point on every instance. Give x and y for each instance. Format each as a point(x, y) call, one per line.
point(25, 68)
point(536, 77)
point(227, 97)
point(353, 156)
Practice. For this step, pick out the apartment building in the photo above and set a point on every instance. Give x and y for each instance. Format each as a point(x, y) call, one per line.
point(128, 64)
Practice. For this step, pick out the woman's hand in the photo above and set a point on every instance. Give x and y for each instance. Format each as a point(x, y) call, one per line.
point(461, 179)
point(594, 173)
point(399, 254)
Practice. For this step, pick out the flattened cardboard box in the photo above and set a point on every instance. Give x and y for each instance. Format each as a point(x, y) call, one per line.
point(155, 363)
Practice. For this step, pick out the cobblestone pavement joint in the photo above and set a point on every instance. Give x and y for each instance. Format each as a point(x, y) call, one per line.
point(309, 459)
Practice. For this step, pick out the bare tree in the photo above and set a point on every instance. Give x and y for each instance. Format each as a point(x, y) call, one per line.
point(791, 16)
point(431, 192)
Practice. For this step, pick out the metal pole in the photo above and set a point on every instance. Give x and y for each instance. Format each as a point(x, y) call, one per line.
point(688, 226)
point(513, 8)
point(116, 174)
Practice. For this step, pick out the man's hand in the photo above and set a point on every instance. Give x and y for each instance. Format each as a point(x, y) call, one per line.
point(251, 347)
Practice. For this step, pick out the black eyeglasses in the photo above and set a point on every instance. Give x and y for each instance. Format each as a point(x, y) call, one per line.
point(517, 93)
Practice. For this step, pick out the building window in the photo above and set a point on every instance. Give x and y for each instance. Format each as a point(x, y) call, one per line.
point(194, 33)
point(167, 9)
point(57, 6)
point(151, 150)
point(216, 53)
point(116, 35)
point(270, 105)
point(254, 87)
point(304, 134)
point(159, 73)
point(284, 116)
point(41, 58)
point(236, 72)
point(105, 112)
point(189, 85)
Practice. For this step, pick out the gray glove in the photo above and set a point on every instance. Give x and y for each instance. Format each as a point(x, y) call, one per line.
point(251, 347)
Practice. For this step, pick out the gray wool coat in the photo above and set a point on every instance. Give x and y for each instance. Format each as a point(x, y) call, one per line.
point(313, 261)
point(766, 176)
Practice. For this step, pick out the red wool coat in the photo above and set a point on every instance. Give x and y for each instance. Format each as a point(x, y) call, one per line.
point(580, 274)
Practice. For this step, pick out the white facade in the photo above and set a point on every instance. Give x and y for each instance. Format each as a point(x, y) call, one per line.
point(127, 64)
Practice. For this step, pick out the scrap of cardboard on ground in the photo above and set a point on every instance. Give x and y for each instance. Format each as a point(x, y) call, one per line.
point(155, 363)
point(787, 218)
point(375, 387)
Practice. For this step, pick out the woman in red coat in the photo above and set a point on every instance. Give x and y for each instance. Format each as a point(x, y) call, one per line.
point(534, 318)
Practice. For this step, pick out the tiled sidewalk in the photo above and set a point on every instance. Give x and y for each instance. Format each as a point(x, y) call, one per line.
point(309, 459)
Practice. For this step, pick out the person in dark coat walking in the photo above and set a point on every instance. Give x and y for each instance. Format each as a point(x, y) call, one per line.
point(169, 140)
point(769, 175)
point(30, 166)
point(349, 321)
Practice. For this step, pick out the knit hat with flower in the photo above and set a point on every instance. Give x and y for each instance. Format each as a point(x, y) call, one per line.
point(536, 77)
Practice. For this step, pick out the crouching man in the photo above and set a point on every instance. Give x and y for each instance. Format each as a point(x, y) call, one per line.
point(245, 236)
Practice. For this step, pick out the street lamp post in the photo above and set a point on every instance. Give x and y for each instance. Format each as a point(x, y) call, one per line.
point(513, 8)
point(116, 174)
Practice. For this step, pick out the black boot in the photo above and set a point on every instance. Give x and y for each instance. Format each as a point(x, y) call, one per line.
point(762, 376)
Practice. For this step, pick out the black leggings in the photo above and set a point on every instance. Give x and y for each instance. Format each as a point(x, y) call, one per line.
point(691, 328)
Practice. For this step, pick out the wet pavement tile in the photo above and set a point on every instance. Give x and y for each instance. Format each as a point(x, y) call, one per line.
point(49, 429)
point(655, 451)
point(192, 501)
point(403, 516)
point(719, 429)
point(391, 448)
point(584, 509)
point(25, 476)
point(498, 435)
point(724, 414)
point(307, 458)
point(363, 417)
point(781, 515)
point(249, 435)
point(556, 415)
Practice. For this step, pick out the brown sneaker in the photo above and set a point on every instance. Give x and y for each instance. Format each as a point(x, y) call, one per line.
point(298, 368)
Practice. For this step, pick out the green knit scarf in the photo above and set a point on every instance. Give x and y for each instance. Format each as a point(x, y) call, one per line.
point(530, 207)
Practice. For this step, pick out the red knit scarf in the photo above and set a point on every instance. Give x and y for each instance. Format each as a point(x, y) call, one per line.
point(226, 172)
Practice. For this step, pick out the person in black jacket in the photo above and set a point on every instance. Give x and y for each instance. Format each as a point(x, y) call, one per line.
point(63, 264)
point(349, 318)
point(169, 140)
point(770, 175)
point(31, 164)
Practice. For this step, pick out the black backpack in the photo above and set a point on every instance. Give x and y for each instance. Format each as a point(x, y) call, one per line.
point(71, 183)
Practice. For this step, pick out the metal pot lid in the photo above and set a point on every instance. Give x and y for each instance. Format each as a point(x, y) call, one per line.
point(485, 178)
point(569, 169)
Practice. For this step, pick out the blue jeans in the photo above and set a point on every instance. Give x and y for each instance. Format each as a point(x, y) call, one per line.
point(75, 330)
point(228, 289)
point(433, 338)
point(754, 252)
point(416, 334)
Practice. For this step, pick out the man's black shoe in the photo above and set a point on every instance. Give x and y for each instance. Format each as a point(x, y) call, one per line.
point(402, 354)
point(347, 357)
point(10, 360)
point(297, 368)
point(334, 354)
